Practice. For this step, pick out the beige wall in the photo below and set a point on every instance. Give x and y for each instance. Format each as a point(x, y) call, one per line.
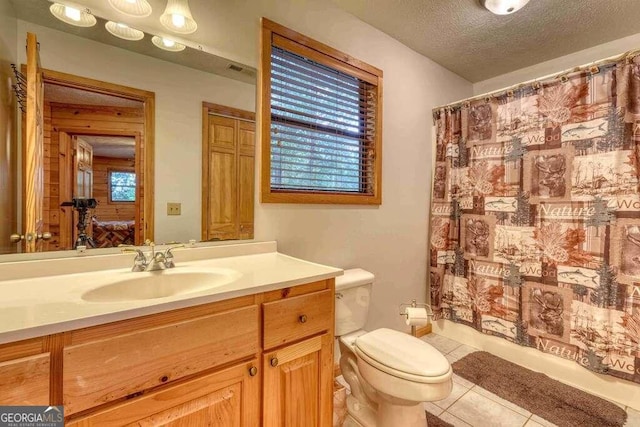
point(8, 46)
point(560, 64)
point(390, 240)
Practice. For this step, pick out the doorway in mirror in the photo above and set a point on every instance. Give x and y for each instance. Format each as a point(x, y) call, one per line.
point(228, 172)
point(97, 144)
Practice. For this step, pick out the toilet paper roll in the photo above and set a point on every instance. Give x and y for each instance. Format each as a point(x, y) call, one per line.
point(416, 316)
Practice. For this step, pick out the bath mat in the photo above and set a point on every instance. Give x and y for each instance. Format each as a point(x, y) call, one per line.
point(433, 421)
point(550, 399)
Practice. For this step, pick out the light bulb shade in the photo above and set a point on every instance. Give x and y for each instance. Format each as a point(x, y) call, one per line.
point(177, 17)
point(135, 8)
point(73, 14)
point(123, 31)
point(167, 44)
point(504, 7)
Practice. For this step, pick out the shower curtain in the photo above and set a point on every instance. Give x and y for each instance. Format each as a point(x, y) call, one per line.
point(535, 219)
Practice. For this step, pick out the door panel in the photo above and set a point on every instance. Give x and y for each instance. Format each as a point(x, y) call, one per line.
point(32, 161)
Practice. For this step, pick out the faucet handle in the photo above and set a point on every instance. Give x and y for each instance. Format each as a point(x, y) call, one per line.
point(140, 261)
point(168, 256)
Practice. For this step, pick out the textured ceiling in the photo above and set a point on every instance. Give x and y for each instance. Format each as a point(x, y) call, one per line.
point(469, 40)
point(121, 147)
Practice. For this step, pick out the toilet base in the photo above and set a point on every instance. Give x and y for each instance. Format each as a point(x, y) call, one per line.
point(393, 415)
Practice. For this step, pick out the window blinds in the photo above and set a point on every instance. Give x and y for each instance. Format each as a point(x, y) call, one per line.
point(322, 127)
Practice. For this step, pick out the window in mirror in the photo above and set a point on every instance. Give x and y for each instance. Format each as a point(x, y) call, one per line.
point(122, 186)
point(321, 122)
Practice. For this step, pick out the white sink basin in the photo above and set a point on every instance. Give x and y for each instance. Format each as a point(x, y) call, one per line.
point(160, 284)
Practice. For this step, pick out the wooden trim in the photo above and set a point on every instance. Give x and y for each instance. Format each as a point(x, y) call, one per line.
point(145, 156)
point(263, 108)
point(319, 52)
point(223, 110)
point(99, 86)
point(318, 46)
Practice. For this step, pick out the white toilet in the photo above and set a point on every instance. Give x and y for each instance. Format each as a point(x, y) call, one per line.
point(390, 373)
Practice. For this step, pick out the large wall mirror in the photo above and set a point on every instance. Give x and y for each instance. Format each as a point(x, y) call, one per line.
point(122, 122)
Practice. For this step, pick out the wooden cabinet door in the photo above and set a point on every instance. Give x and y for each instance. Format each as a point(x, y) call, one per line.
point(25, 381)
point(229, 398)
point(298, 384)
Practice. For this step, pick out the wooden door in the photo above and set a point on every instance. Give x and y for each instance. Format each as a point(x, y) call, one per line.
point(223, 182)
point(230, 179)
point(229, 398)
point(82, 168)
point(246, 177)
point(32, 152)
point(298, 385)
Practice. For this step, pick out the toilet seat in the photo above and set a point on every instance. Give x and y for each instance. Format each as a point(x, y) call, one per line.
point(402, 356)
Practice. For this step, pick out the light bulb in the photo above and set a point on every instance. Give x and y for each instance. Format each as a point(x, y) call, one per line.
point(121, 25)
point(168, 43)
point(178, 20)
point(72, 13)
point(131, 1)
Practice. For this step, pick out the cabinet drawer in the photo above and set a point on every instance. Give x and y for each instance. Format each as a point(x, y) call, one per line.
point(101, 371)
point(294, 318)
point(25, 381)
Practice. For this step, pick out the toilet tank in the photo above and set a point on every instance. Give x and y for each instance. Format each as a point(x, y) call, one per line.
point(353, 291)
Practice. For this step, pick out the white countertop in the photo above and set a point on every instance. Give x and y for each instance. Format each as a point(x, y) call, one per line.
point(47, 304)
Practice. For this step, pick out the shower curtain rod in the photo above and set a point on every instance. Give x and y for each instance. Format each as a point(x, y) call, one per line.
point(628, 55)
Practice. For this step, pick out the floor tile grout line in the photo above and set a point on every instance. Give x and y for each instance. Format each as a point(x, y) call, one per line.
point(458, 418)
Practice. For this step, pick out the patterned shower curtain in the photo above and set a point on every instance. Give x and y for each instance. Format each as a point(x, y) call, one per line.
point(535, 220)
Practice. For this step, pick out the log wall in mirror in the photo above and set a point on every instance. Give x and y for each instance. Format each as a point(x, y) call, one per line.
point(121, 122)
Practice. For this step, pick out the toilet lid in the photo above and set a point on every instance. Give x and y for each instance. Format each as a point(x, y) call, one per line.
point(402, 353)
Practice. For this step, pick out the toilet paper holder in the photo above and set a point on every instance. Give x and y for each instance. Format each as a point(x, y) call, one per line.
point(415, 304)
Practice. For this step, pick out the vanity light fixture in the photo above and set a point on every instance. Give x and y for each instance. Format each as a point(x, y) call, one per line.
point(135, 8)
point(123, 31)
point(73, 14)
point(177, 17)
point(167, 44)
point(504, 7)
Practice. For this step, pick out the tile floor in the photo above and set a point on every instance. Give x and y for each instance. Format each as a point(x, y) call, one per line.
point(471, 406)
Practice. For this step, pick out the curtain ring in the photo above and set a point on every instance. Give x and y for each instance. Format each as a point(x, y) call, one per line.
point(466, 104)
point(510, 94)
point(564, 79)
point(594, 69)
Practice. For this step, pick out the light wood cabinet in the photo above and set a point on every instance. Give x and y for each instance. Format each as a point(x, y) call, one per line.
point(225, 399)
point(298, 384)
point(263, 359)
point(25, 381)
point(228, 178)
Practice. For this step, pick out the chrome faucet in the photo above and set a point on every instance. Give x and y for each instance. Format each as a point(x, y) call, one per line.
point(154, 260)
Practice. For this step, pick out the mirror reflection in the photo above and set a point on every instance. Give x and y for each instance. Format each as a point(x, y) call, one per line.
point(122, 124)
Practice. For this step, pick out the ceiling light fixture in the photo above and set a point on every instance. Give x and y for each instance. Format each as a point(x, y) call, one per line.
point(73, 14)
point(167, 44)
point(123, 31)
point(504, 7)
point(135, 8)
point(177, 17)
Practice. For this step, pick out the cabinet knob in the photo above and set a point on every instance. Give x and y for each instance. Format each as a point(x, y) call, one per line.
point(274, 361)
point(15, 238)
point(302, 318)
point(253, 371)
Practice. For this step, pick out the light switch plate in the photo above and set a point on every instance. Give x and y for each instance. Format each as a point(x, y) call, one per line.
point(174, 208)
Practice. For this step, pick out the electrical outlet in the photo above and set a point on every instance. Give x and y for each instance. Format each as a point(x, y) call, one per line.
point(174, 208)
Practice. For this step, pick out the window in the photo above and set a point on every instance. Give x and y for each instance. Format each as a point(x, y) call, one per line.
point(321, 122)
point(122, 186)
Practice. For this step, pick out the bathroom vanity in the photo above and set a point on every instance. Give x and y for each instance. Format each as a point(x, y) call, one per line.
point(254, 350)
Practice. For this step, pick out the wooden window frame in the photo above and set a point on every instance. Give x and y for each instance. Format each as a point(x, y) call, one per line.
point(273, 33)
point(121, 170)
